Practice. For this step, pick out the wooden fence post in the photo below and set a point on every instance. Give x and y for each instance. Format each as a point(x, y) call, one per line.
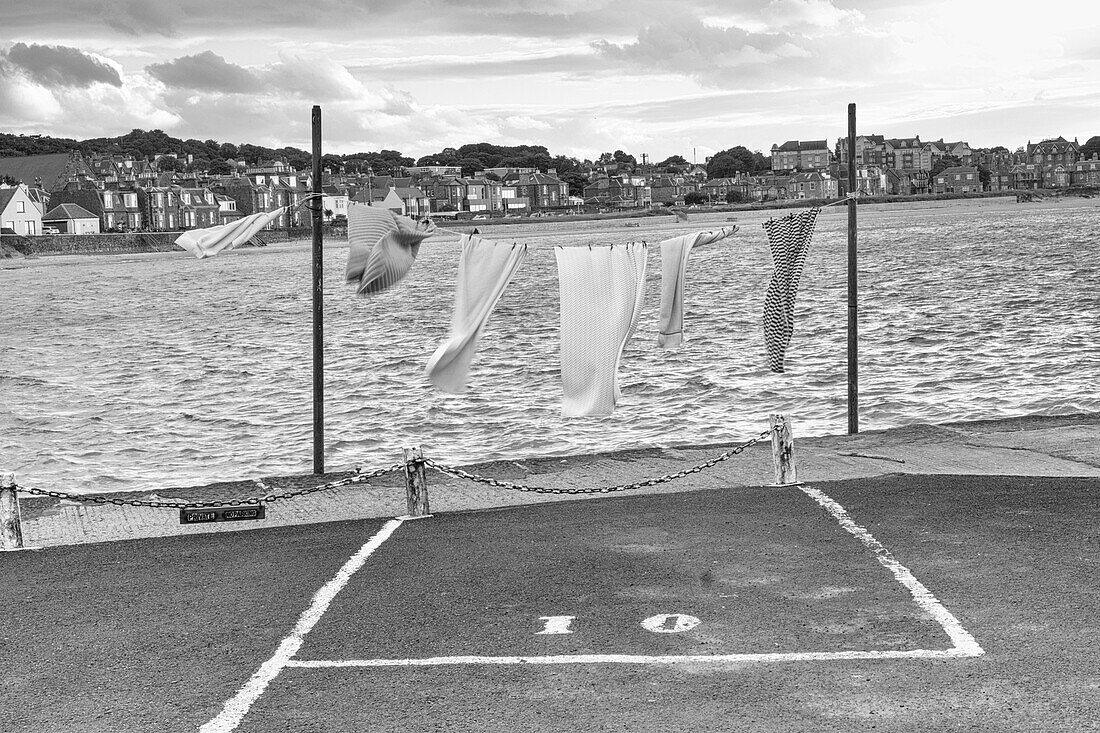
point(416, 483)
point(11, 532)
point(783, 450)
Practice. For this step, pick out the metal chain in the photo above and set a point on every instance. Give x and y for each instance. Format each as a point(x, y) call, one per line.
point(361, 477)
point(254, 500)
point(459, 473)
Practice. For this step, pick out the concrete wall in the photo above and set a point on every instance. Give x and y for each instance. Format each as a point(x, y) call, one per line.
point(132, 242)
point(79, 244)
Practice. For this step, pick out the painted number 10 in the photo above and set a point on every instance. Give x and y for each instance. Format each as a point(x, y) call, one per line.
point(665, 623)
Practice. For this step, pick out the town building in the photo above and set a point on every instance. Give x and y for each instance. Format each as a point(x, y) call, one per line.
point(1085, 172)
point(801, 155)
point(1053, 151)
point(19, 212)
point(866, 145)
point(812, 185)
point(71, 219)
point(957, 179)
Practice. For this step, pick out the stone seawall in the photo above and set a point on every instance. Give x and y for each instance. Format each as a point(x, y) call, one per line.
point(127, 242)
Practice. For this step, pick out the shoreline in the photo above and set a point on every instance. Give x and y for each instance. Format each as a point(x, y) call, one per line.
point(1006, 424)
point(1034, 445)
point(20, 249)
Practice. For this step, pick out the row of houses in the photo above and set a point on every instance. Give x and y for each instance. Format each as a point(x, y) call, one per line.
point(65, 193)
point(911, 153)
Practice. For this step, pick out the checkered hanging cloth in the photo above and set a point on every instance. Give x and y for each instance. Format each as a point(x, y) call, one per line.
point(789, 242)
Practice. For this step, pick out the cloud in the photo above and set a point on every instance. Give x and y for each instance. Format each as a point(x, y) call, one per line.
point(60, 66)
point(24, 103)
point(712, 55)
point(298, 74)
point(525, 122)
point(809, 14)
point(103, 110)
point(206, 71)
point(397, 103)
point(476, 66)
point(311, 76)
point(138, 17)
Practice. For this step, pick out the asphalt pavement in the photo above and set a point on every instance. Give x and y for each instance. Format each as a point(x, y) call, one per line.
point(925, 598)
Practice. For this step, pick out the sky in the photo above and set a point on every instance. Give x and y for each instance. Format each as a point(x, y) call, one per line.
point(581, 77)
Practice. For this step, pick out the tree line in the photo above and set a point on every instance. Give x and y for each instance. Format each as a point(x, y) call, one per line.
point(212, 156)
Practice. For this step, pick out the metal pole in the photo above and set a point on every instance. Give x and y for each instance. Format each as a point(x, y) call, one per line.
point(853, 322)
point(316, 206)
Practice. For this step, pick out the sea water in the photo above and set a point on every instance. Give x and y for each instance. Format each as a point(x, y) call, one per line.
point(129, 372)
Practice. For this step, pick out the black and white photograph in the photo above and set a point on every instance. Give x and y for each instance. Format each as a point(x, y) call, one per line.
point(549, 366)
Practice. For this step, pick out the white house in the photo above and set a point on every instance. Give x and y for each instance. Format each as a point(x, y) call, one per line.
point(18, 210)
point(406, 201)
point(335, 200)
point(392, 202)
point(72, 219)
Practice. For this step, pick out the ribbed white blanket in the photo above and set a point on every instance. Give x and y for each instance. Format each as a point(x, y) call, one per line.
point(601, 291)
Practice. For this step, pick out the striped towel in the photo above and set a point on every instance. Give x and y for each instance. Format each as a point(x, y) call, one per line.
point(212, 240)
point(789, 242)
point(601, 290)
point(381, 247)
point(674, 258)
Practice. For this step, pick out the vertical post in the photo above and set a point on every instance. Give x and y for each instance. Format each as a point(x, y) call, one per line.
point(853, 322)
point(783, 450)
point(11, 531)
point(416, 483)
point(316, 206)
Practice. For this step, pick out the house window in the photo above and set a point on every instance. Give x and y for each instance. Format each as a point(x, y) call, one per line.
point(20, 207)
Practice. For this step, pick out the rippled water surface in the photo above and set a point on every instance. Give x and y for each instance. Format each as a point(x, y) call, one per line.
point(149, 371)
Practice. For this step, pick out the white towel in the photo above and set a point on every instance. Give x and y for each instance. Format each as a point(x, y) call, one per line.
point(381, 247)
point(212, 240)
point(601, 290)
point(484, 270)
point(674, 258)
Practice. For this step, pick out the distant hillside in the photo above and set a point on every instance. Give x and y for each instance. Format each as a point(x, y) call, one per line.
point(142, 144)
point(146, 144)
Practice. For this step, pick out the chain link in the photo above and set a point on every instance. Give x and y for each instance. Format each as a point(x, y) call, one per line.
point(361, 477)
point(252, 500)
point(459, 473)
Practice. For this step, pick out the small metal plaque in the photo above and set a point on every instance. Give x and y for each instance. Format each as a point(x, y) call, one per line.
point(236, 513)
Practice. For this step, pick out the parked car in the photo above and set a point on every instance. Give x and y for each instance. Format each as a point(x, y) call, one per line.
point(50, 230)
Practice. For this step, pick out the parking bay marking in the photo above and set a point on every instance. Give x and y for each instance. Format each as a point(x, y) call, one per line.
point(963, 643)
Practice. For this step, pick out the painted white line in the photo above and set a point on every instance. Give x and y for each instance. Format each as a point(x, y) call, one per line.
point(238, 706)
point(965, 644)
point(638, 658)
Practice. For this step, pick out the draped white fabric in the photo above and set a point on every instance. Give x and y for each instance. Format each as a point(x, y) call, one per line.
point(382, 247)
point(601, 290)
point(674, 259)
point(485, 269)
point(212, 240)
